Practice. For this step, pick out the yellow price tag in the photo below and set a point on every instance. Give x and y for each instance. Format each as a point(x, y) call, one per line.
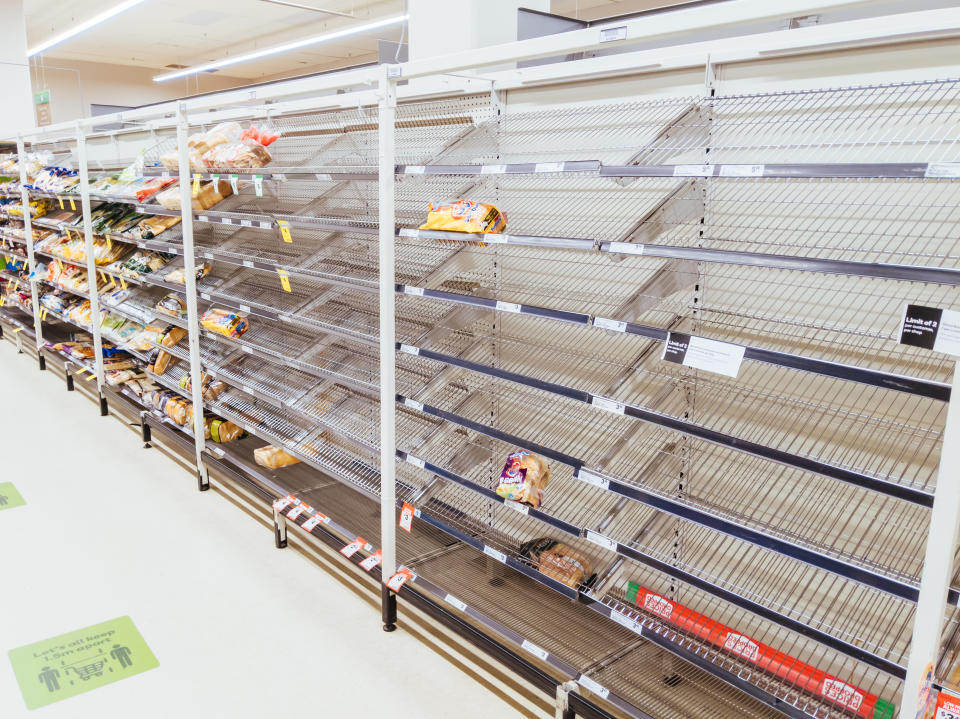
point(16, 285)
point(285, 230)
point(196, 184)
point(73, 205)
point(284, 280)
point(60, 265)
point(93, 375)
point(109, 244)
point(3, 300)
point(60, 200)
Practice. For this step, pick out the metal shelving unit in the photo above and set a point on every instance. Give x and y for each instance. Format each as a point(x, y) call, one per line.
point(782, 507)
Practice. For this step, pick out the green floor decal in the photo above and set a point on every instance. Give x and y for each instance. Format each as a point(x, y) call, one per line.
point(10, 497)
point(76, 662)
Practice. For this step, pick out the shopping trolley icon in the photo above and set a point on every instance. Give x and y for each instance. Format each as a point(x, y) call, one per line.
point(89, 670)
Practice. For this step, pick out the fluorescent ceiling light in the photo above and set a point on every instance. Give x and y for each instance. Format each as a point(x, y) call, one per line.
point(83, 27)
point(314, 40)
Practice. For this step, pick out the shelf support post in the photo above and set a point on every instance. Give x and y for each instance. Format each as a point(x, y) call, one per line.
point(31, 258)
point(190, 289)
point(562, 708)
point(938, 558)
point(91, 263)
point(388, 389)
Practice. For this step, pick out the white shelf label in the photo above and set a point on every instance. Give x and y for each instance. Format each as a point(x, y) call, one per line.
point(244, 308)
point(248, 263)
point(413, 404)
point(585, 475)
point(593, 687)
point(226, 221)
point(283, 503)
point(203, 218)
point(602, 541)
point(626, 248)
point(311, 523)
point(396, 582)
point(323, 177)
point(279, 176)
point(492, 238)
point(548, 167)
point(508, 307)
point(258, 185)
point(943, 169)
point(413, 170)
point(208, 255)
point(517, 506)
point(409, 349)
point(453, 601)
point(235, 184)
point(243, 348)
point(493, 169)
point(408, 290)
point(535, 650)
point(246, 223)
point(701, 353)
point(610, 34)
point(266, 225)
point(416, 461)
point(494, 554)
point(204, 295)
point(354, 547)
point(246, 389)
point(372, 561)
point(296, 511)
point(931, 328)
point(604, 323)
point(409, 232)
point(693, 170)
point(625, 621)
point(741, 170)
point(608, 404)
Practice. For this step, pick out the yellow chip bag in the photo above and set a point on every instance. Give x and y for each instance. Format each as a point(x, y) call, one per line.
point(464, 216)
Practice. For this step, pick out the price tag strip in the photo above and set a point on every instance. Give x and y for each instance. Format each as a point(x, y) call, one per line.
point(701, 353)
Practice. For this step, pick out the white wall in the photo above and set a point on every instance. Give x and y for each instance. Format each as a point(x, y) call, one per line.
point(80, 84)
point(14, 76)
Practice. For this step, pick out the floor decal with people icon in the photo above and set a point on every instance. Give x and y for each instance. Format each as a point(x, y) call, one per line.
point(76, 662)
point(10, 497)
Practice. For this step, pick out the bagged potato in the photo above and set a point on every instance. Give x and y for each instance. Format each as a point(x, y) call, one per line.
point(274, 457)
point(464, 216)
point(559, 561)
point(524, 477)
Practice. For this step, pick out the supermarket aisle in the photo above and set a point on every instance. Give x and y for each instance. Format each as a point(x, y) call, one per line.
point(239, 628)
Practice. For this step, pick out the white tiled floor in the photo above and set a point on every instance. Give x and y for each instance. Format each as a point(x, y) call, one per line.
point(240, 629)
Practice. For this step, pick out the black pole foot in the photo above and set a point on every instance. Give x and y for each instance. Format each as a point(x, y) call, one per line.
point(69, 381)
point(43, 361)
point(279, 538)
point(145, 434)
point(568, 714)
point(388, 606)
point(104, 410)
point(203, 482)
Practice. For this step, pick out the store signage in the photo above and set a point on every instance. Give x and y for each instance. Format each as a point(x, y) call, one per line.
point(931, 328)
point(700, 353)
point(42, 102)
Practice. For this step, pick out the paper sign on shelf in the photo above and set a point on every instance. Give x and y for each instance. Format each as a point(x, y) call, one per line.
point(406, 517)
point(296, 511)
point(284, 226)
point(399, 579)
point(701, 353)
point(316, 519)
point(355, 546)
point(258, 185)
point(235, 184)
point(283, 503)
point(931, 328)
point(372, 561)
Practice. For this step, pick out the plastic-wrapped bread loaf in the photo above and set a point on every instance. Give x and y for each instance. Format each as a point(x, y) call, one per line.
point(524, 477)
point(559, 561)
point(274, 457)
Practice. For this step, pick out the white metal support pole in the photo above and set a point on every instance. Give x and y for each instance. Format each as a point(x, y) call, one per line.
point(95, 319)
point(190, 277)
point(938, 559)
point(31, 258)
point(388, 338)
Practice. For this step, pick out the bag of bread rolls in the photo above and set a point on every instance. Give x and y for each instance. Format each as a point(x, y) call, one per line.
point(559, 561)
point(524, 477)
point(464, 216)
point(274, 457)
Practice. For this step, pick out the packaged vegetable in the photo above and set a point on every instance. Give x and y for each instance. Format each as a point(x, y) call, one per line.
point(274, 457)
point(524, 477)
point(559, 561)
point(224, 322)
point(464, 216)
